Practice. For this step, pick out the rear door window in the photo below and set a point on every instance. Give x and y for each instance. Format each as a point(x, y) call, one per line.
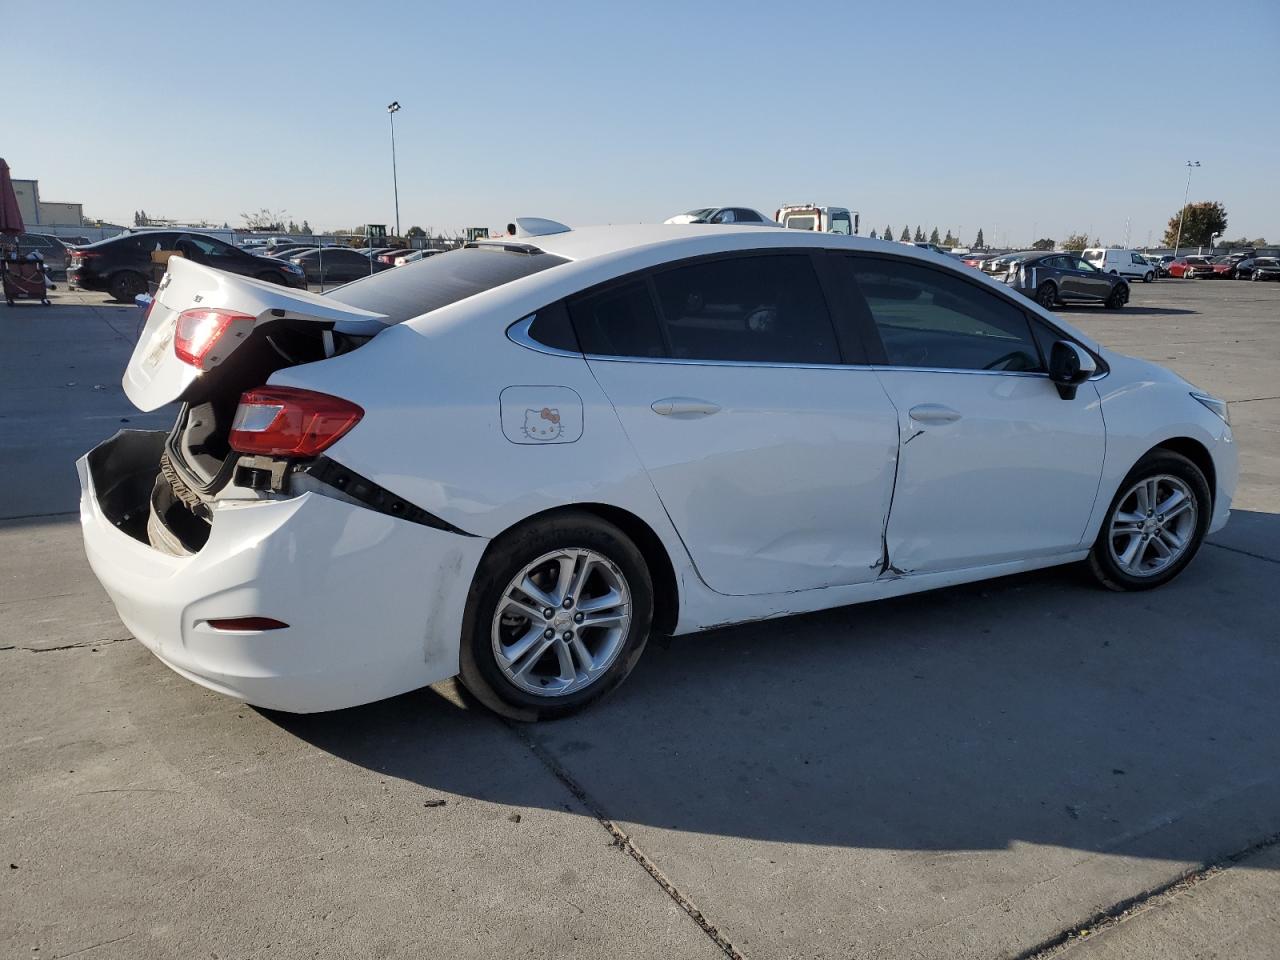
point(928, 318)
point(755, 309)
point(620, 321)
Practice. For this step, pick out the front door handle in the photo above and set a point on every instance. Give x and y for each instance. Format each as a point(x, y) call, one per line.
point(684, 408)
point(933, 413)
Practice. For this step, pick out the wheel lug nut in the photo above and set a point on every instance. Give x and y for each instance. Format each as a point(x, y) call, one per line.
point(548, 613)
point(568, 602)
point(577, 618)
point(548, 633)
point(567, 635)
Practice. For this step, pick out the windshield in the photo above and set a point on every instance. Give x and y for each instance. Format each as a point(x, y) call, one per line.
point(1266, 262)
point(701, 214)
point(434, 282)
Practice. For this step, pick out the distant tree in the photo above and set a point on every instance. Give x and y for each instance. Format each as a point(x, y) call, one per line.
point(887, 234)
point(1043, 244)
point(265, 219)
point(137, 219)
point(142, 218)
point(873, 233)
point(1200, 221)
point(1076, 242)
point(293, 227)
point(978, 242)
point(415, 232)
point(919, 237)
point(306, 227)
point(948, 240)
point(934, 238)
point(905, 237)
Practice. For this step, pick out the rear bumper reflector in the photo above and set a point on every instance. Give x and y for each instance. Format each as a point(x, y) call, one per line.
point(246, 624)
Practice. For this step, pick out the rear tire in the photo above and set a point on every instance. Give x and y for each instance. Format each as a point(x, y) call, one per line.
point(1171, 473)
point(1047, 295)
point(504, 626)
point(125, 285)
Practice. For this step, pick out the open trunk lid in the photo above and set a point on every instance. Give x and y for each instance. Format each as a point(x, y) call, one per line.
point(156, 375)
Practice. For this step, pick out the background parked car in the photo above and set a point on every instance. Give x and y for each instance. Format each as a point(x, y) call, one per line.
point(122, 265)
point(336, 265)
point(1053, 278)
point(389, 257)
point(49, 247)
point(1199, 268)
point(1125, 263)
point(743, 215)
point(1265, 268)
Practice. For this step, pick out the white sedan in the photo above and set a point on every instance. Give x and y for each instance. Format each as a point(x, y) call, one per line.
point(518, 460)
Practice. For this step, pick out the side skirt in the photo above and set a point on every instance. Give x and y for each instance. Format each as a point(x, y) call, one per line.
point(704, 610)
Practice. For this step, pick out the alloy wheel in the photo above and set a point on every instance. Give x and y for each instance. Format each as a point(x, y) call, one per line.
point(1153, 525)
point(561, 622)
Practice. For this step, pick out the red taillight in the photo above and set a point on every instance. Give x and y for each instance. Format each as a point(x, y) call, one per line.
point(286, 421)
point(198, 332)
point(247, 623)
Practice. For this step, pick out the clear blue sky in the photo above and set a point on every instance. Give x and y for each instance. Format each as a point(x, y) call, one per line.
point(1016, 117)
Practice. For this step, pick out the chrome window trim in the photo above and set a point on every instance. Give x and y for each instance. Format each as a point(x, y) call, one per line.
point(687, 362)
point(518, 333)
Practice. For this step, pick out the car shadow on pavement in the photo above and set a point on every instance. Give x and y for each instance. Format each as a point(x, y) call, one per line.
point(1127, 310)
point(1036, 708)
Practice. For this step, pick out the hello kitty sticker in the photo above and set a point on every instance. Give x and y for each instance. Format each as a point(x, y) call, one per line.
point(542, 425)
point(541, 415)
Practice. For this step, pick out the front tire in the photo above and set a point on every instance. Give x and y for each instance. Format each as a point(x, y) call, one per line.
point(1148, 277)
point(1119, 297)
point(559, 613)
point(1155, 525)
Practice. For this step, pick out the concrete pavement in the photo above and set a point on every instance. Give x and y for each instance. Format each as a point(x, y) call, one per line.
point(967, 773)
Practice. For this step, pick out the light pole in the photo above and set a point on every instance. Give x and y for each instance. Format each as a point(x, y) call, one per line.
point(392, 108)
point(1183, 215)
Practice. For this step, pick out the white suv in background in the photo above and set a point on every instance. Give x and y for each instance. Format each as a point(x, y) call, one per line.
point(1125, 263)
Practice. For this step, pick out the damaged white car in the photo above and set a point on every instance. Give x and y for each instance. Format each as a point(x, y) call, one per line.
point(518, 460)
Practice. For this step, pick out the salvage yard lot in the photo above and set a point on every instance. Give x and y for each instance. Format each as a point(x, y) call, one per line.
point(966, 773)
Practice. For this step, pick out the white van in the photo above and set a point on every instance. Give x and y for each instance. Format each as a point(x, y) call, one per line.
point(810, 216)
point(1126, 263)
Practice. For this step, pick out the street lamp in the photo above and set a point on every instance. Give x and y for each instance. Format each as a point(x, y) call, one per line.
point(1183, 215)
point(392, 109)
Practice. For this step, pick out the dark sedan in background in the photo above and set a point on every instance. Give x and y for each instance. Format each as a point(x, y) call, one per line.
point(122, 265)
point(336, 264)
point(1053, 278)
point(1264, 268)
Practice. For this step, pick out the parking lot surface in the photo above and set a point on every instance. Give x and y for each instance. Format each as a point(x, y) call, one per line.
point(985, 771)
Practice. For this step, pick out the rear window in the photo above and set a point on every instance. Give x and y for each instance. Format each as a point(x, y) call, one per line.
point(1094, 256)
point(435, 282)
point(807, 222)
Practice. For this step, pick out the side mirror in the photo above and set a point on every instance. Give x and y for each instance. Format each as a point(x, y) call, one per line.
point(1069, 366)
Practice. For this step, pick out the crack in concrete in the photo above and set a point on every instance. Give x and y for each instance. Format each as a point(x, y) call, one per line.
point(1247, 553)
point(1253, 400)
point(624, 842)
point(41, 516)
point(69, 646)
point(1124, 909)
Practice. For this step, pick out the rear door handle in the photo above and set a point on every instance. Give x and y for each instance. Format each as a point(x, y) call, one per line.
point(933, 413)
point(684, 408)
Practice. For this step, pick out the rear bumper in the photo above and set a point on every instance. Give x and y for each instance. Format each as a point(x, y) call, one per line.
point(374, 604)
